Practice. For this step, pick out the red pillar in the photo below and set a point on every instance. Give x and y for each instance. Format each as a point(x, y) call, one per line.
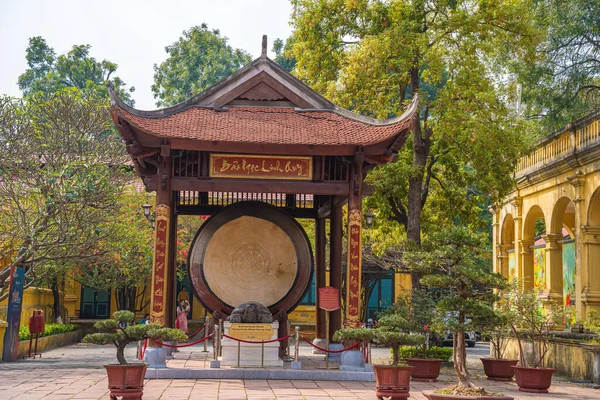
point(161, 311)
point(354, 261)
point(335, 262)
point(320, 272)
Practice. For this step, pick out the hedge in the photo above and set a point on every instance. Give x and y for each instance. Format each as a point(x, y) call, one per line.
point(49, 329)
point(443, 353)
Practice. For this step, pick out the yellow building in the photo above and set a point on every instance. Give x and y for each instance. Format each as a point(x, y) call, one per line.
point(547, 231)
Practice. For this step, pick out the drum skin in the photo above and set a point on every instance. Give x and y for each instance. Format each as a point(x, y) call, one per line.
point(250, 251)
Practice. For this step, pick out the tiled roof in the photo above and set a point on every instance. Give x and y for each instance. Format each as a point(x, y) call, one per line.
point(266, 125)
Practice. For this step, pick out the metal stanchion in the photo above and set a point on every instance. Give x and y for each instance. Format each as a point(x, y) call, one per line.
point(289, 327)
point(217, 345)
point(262, 354)
point(239, 351)
point(297, 345)
point(206, 329)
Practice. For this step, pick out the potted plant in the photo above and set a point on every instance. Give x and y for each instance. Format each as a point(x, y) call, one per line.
point(125, 379)
point(498, 332)
point(394, 380)
point(453, 262)
point(353, 360)
point(534, 323)
point(391, 380)
point(417, 307)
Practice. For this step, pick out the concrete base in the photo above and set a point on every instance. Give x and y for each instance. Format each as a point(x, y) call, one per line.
point(215, 364)
point(296, 365)
point(335, 356)
point(259, 373)
point(241, 354)
point(321, 343)
point(156, 357)
point(352, 360)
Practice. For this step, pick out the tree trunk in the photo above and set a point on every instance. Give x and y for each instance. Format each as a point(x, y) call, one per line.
point(460, 360)
point(395, 355)
point(415, 183)
point(121, 353)
point(56, 296)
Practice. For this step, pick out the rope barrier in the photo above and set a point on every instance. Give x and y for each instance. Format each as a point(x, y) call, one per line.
point(198, 331)
point(331, 351)
point(183, 345)
point(257, 341)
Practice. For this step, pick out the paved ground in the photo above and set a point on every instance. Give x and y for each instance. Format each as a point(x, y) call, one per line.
point(76, 372)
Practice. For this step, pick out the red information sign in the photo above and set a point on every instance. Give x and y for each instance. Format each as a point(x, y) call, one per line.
point(260, 167)
point(329, 298)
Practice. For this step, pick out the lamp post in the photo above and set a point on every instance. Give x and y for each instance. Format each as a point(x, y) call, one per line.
point(151, 217)
point(369, 218)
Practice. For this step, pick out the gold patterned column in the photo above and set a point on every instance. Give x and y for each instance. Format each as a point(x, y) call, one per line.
point(160, 275)
point(354, 271)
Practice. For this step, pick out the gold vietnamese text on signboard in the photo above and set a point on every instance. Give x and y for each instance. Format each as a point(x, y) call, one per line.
point(251, 331)
point(260, 167)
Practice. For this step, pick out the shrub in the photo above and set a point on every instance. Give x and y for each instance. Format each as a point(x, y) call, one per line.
point(49, 329)
point(443, 353)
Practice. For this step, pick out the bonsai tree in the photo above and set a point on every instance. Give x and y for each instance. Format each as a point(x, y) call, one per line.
point(121, 330)
point(499, 329)
point(532, 322)
point(417, 307)
point(392, 332)
point(453, 262)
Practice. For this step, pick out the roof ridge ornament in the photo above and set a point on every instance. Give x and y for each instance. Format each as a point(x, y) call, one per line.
point(264, 47)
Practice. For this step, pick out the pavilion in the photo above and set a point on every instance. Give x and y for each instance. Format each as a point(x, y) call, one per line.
point(292, 149)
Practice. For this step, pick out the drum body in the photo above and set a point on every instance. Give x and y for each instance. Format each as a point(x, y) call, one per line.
point(250, 251)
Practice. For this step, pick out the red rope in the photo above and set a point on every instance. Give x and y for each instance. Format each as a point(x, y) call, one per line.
point(198, 331)
point(182, 345)
point(258, 341)
point(331, 351)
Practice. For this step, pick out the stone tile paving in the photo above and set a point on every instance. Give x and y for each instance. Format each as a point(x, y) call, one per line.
point(76, 372)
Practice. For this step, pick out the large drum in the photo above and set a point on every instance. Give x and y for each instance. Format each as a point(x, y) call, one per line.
point(250, 251)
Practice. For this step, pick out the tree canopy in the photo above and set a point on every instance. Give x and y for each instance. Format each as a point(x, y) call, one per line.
point(372, 57)
point(49, 73)
point(63, 170)
point(565, 84)
point(200, 58)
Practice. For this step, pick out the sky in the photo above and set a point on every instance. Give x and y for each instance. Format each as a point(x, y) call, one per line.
point(131, 33)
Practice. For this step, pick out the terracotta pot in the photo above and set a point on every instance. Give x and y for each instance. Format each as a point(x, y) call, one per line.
point(126, 380)
point(533, 380)
point(426, 369)
point(392, 381)
point(498, 370)
point(433, 396)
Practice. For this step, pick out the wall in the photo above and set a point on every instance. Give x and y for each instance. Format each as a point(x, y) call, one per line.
point(564, 354)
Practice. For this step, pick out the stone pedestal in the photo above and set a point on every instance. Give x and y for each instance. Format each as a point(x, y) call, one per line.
point(250, 354)
point(352, 360)
point(321, 343)
point(156, 357)
point(336, 357)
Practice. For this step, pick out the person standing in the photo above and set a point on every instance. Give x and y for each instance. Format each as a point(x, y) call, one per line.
point(182, 310)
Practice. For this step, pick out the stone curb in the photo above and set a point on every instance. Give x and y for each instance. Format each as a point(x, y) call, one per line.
point(253, 373)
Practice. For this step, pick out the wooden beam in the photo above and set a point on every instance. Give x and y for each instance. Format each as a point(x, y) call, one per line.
point(310, 213)
point(325, 210)
point(259, 186)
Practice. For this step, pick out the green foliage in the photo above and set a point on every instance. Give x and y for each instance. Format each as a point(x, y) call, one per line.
point(592, 321)
point(200, 58)
point(565, 83)
point(49, 329)
point(283, 54)
point(356, 334)
point(497, 328)
point(122, 330)
point(453, 262)
point(373, 56)
point(443, 353)
point(61, 165)
point(417, 308)
point(534, 322)
point(49, 73)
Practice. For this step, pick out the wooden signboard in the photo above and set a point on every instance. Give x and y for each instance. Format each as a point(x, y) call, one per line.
point(251, 331)
point(260, 167)
point(329, 298)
